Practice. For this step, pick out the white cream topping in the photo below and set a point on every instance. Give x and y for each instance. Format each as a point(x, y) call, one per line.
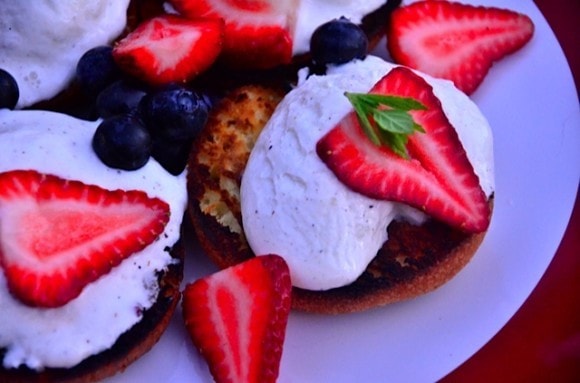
point(294, 206)
point(62, 337)
point(313, 13)
point(41, 42)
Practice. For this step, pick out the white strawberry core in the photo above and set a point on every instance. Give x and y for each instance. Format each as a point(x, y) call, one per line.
point(294, 206)
point(41, 43)
point(229, 297)
point(56, 144)
point(51, 234)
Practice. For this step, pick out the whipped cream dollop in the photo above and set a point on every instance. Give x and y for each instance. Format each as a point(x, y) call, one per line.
point(310, 14)
point(42, 41)
point(294, 206)
point(62, 337)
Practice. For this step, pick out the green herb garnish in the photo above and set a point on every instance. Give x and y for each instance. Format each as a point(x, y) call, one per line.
point(386, 119)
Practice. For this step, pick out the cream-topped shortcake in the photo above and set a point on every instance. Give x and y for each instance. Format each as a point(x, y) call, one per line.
point(56, 145)
point(293, 205)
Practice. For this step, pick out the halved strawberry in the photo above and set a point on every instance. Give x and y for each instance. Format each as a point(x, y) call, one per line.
point(169, 48)
point(455, 41)
point(58, 235)
point(257, 33)
point(437, 178)
point(237, 318)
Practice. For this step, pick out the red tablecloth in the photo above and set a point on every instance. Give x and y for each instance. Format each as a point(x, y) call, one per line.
point(541, 343)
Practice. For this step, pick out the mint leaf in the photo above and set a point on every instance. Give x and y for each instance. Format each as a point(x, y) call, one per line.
point(395, 102)
point(397, 143)
point(386, 119)
point(394, 121)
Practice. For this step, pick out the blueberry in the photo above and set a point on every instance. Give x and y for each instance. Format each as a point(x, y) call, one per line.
point(96, 69)
point(337, 42)
point(120, 97)
point(122, 142)
point(172, 155)
point(9, 92)
point(174, 113)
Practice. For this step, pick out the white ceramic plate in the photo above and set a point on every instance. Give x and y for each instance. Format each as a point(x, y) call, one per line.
point(532, 105)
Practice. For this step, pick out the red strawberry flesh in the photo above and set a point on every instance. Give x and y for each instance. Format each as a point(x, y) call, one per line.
point(237, 319)
point(455, 41)
point(58, 235)
point(438, 178)
point(257, 33)
point(169, 48)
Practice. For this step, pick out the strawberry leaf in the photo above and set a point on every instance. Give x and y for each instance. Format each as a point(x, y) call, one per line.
point(386, 119)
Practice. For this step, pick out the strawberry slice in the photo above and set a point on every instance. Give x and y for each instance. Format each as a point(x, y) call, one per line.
point(169, 48)
point(455, 41)
point(437, 178)
point(237, 318)
point(257, 33)
point(58, 235)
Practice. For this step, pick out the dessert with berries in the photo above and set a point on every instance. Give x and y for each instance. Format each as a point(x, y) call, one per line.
point(90, 256)
point(350, 184)
point(92, 209)
point(399, 169)
point(286, 200)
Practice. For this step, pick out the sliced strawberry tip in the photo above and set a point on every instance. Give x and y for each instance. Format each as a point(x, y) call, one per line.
point(169, 48)
point(437, 178)
point(455, 41)
point(59, 235)
point(237, 319)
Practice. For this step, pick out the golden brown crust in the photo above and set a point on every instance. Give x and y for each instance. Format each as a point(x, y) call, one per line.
point(415, 260)
point(218, 159)
point(129, 347)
